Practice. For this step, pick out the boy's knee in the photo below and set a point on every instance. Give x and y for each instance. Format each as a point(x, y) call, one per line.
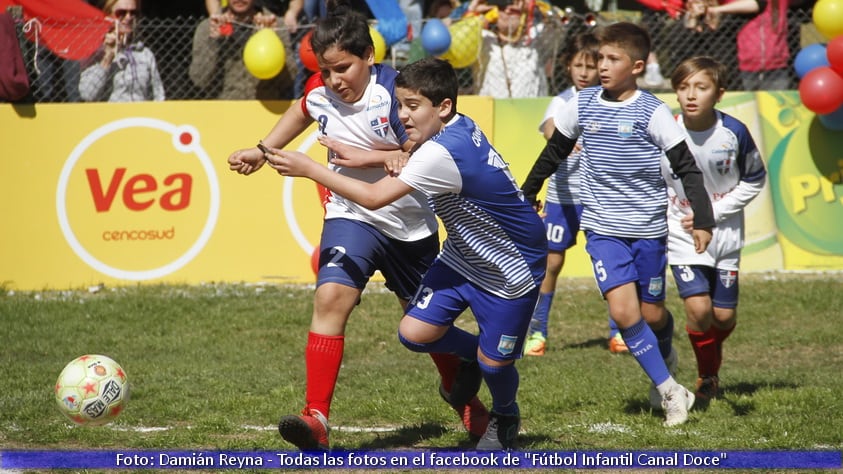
point(413, 346)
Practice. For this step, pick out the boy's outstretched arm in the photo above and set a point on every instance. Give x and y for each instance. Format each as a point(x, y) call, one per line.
point(369, 195)
point(558, 148)
point(683, 164)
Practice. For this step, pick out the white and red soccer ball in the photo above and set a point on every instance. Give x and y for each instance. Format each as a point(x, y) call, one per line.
point(92, 390)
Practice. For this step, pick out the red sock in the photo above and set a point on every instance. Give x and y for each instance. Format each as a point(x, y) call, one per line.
point(447, 364)
point(720, 335)
point(323, 356)
point(705, 348)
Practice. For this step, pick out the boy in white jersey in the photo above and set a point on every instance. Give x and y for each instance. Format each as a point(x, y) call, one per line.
point(493, 259)
point(624, 133)
point(352, 100)
point(734, 174)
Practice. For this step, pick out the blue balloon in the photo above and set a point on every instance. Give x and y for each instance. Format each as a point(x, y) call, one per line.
point(808, 58)
point(435, 37)
point(834, 120)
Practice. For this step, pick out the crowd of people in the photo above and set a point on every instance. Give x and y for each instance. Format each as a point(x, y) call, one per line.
point(520, 53)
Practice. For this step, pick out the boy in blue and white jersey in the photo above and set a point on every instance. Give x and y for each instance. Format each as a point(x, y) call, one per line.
point(624, 133)
point(734, 175)
point(493, 259)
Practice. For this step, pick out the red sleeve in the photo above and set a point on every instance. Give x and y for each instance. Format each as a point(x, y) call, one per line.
point(673, 7)
point(313, 82)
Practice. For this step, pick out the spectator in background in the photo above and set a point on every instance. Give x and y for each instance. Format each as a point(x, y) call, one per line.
point(513, 55)
point(763, 51)
point(123, 70)
point(217, 66)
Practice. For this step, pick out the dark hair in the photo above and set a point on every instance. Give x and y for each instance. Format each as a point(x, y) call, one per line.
point(344, 28)
point(632, 38)
point(586, 43)
point(715, 69)
point(434, 78)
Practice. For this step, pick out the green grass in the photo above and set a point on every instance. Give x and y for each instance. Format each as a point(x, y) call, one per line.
point(217, 365)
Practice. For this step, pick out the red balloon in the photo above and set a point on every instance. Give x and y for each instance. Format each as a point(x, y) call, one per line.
point(308, 58)
point(834, 53)
point(821, 90)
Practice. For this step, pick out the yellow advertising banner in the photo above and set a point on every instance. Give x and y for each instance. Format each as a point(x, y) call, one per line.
point(124, 193)
point(120, 194)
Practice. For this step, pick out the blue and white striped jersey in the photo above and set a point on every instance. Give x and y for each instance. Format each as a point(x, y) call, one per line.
point(495, 238)
point(622, 189)
point(563, 187)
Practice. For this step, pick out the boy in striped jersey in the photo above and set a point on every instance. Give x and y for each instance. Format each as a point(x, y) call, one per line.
point(493, 259)
point(624, 133)
point(734, 175)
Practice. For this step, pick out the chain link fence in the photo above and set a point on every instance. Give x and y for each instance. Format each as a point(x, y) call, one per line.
point(55, 79)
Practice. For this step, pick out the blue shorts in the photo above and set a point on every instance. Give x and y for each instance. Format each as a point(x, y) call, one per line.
point(619, 260)
point(351, 251)
point(562, 222)
point(445, 294)
point(721, 285)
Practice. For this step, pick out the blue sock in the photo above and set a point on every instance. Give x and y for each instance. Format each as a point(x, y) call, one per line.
point(643, 346)
point(455, 341)
point(613, 327)
point(665, 336)
point(503, 386)
point(540, 313)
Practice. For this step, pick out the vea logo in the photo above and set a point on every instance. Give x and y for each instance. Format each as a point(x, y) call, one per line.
point(138, 198)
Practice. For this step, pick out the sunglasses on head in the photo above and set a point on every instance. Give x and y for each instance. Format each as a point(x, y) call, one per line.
point(122, 12)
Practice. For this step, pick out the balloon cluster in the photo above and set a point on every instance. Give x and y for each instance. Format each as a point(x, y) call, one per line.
point(820, 66)
point(458, 43)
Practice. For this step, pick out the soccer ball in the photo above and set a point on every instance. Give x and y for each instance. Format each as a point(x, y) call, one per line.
point(92, 390)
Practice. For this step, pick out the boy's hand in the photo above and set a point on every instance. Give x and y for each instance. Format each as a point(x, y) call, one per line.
point(394, 164)
point(289, 163)
point(687, 222)
point(702, 237)
point(246, 161)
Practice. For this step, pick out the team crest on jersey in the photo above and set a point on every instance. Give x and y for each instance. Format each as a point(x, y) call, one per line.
point(724, 166)
point(625, 128)
point(656, 286)
point(380, 126)
point(506, 344)
point(728, 278)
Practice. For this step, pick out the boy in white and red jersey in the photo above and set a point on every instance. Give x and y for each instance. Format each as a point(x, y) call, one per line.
point(734, 174)
point(352, 100)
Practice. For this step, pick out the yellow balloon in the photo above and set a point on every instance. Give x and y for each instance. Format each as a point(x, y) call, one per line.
point(264, 54)
point(465, 42)
point(828, 18)
point(380, 44)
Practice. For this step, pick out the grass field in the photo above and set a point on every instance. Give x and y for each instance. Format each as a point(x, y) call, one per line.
point(213, 367)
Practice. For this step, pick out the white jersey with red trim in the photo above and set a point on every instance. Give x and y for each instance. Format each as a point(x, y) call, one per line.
point(734, 174)
point(371, 123)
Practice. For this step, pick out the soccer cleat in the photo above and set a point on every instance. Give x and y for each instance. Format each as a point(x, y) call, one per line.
point(676, 404)
point(501, 433)
point(617, 344)
point(672, 363)
point(466, 383)
point(535, 345)
point(708, 388)
point(474, 416)
point(308, 431)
